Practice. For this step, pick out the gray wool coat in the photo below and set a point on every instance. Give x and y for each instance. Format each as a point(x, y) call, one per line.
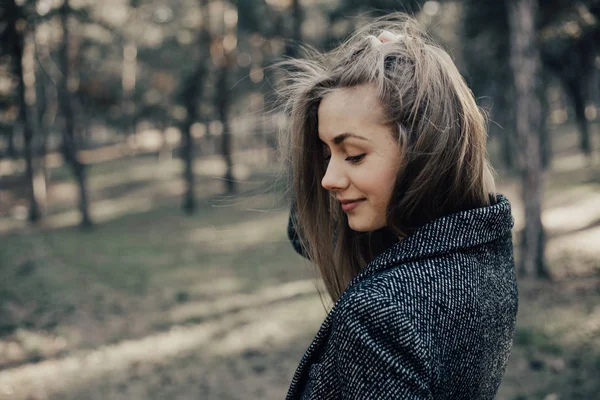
point(432, 317)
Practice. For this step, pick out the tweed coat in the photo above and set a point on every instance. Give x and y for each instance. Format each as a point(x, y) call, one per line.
point(432, 317)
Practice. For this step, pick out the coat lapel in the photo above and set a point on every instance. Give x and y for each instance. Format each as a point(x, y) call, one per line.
point(453, 232)
point(310, 356)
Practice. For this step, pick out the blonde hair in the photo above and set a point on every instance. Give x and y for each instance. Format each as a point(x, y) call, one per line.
point(434, 116)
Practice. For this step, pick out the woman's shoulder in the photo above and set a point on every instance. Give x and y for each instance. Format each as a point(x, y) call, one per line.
point(445, 272)
point(368, 312)
point(454, 283)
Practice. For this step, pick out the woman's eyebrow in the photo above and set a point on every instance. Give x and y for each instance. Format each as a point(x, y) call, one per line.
point(343, 136)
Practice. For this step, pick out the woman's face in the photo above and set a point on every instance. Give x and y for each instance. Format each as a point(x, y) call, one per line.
point(362, 157)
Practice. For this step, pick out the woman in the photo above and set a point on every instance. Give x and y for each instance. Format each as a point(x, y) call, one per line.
point(394, 202)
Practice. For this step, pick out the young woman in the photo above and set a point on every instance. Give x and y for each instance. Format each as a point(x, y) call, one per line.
point(394, 201)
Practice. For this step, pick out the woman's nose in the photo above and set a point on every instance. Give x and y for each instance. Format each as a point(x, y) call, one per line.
point(335, 179)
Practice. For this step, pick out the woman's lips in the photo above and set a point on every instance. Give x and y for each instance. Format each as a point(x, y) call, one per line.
point(349, 206)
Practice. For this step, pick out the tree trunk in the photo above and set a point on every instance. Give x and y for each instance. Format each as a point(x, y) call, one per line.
point(225, 63)
point(291, 46)
point(36, 101)
point(546, 139)
point(526, 67)
point(223, 110)
point(187, 151)
point(503, 113)
point(25, 117)
point(189, 199)
point(191, 94)
point(69, 142)
point(48, 107)
point(128, 85)
point(577, 94)
point(11, 151)
point(268, 135)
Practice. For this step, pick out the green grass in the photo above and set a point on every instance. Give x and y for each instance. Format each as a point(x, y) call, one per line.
point(49, 273)
point(536, 340)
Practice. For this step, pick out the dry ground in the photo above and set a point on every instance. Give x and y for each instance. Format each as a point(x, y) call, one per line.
point(152, 304)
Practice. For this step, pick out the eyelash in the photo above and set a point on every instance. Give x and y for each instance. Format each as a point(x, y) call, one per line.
point(355, 159)
point(352, 159)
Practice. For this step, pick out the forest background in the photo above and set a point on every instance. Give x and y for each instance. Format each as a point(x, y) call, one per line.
point(143, 251)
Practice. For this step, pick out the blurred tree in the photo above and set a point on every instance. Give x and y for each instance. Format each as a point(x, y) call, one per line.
point(224, 56)
point(8, 108)
point(570, 35)
point(487, 56)
point(568, 32)
point(66, 89)
point(46, 99)
point(526, 65)
point(291, 46)
point(266, 26)
point(105, 80)
point(13, 38)
point(129, 74)
point(193, 88)
point(485, 29)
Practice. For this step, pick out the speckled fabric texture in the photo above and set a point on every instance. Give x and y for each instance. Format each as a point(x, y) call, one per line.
point(432, 317)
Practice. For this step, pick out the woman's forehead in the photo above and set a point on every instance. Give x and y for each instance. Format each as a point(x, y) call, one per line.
point(360, 96)
point(353, 103)
point(351, 112)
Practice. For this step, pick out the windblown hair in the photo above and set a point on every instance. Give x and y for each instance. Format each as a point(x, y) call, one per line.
point(434, 117)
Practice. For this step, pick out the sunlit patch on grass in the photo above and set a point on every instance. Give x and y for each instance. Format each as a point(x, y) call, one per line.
point(573, 216)
point(236, 236)
point(234, 302)
point(577, 254)
point(570, 163)
point(254, 326)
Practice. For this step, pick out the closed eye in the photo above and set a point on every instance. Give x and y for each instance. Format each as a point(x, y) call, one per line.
point(355, 159)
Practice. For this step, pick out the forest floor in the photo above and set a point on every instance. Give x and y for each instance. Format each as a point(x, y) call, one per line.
point(153, 304)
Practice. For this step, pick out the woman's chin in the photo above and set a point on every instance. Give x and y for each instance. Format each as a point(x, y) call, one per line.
point(364, 225)
point(360, 226)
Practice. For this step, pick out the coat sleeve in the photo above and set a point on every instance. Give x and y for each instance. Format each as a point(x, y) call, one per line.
point(380, 355)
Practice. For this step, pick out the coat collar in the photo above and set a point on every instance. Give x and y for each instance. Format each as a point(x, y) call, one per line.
point(449, 233)
point(445, 234)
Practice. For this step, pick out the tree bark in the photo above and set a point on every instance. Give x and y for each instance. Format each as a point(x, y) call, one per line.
point(291, 46)
point(189, 199)
point(25, 118)
point(191, 96)
point(11, 151)
point(503, 113)
point(34, 214)
point(225, 63)
point(526, 67)
point(545, 137)
point(577, 94)
point(128, 85)
point(187, 149)
point(69, 141)
point(223, 109)
point(575, 71)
